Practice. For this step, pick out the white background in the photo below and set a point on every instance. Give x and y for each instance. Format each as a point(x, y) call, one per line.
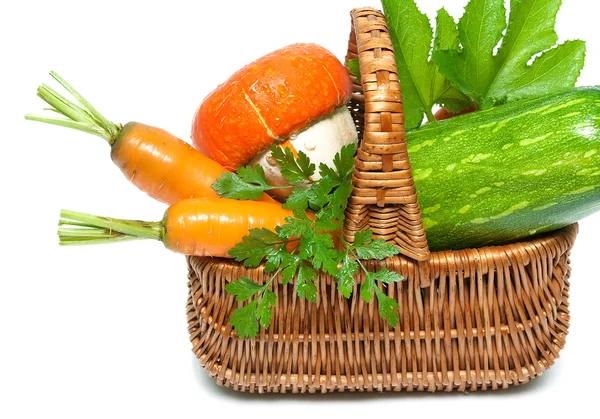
point(101, 331)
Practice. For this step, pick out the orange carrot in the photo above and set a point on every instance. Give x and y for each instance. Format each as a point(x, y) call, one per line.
point(200, 227)
point(157, 162)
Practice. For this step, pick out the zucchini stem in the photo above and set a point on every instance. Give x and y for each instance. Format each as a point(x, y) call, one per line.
point(77, 228)
point(77, 113)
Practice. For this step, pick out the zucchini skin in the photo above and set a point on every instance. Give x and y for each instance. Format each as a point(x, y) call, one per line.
point(499, 175)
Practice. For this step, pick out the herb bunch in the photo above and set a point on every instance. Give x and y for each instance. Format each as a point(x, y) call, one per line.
point(306, 243)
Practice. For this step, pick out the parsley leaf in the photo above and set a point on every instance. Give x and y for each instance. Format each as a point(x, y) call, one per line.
point(366, 248)
point(318, 249)
point(275, 257)
point(290, 265)
point(244, 320)
point(345, 276)
point(386, 276)
point(305, 283)
point(387, 307)
point(366, 289)
point(344, 163)
point(422, 85)
point(339, 200)
point(264, 310)
point(230, 185)
point(298, 202)
point(295, 227)
point(255, 247)
point(294, 170)
point(506, 76)
point(243, 288)
point(249, 182)
point(318, 194)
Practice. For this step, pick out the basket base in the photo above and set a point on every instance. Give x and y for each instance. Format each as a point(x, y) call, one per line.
point(491, 318)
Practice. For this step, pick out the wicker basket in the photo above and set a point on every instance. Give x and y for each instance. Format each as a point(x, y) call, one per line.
point(472, 319)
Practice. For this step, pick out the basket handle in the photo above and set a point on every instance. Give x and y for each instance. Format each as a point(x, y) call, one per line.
point(384, 198)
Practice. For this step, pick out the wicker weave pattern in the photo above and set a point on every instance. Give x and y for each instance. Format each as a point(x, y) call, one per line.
point(491, 317)
point(471, 319)
point(384, 199)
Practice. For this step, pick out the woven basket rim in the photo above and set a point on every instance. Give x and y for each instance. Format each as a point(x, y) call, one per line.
point(544, 240)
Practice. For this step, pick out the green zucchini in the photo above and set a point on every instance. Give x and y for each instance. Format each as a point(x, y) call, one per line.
point(509, 172)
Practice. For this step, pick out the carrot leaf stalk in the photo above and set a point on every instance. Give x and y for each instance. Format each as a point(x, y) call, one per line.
point(77, 228)
point(77, 113)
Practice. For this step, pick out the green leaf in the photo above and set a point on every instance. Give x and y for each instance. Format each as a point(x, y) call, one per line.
point(290, 266)
point(446, 32)
point(295, 170)
point(387, 307)
point(422, 85)
point(294, 227)
point(275, 257)
point(243, 288)
point(446, 38)
point(339, 200)
point(353, 67)
point(254, 175)
point(298, 202)
point(326, 222)
point(366, 289)
point(362, 238)
point(318, 250)
point(506, 76)
point(264, 310)
point(343, 162)
point(244, 321)
point(230, 185)
point(376, 249)
point(328, 172)
point(305, 285)
point(386, 276)
point(556, 69)
point(319, 193)
point(345, 276)
point(255, 247)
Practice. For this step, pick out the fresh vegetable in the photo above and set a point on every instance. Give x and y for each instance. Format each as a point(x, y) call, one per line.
point(200, 227)
point(272, 99)
point(320, 142)
point(160, 164)
point(501, 174)
point(295, 242)
point(462, 66)
point(314, 239)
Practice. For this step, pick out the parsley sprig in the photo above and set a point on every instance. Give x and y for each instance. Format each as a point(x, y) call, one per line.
point(307, 243)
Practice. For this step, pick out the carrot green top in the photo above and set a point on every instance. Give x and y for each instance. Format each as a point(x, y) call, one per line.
point(78, 114)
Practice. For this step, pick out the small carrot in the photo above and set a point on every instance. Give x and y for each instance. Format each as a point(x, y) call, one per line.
point(157, 162)
point(199, 227)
